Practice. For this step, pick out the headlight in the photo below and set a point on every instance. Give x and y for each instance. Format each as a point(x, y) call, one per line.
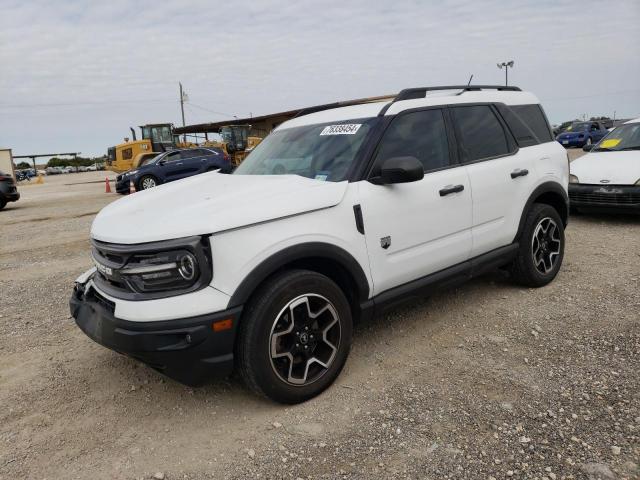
point(573, 179)
point(172, 270)
point(153, 270)
point(132, 172)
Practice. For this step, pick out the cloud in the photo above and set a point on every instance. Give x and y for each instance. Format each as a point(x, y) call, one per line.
point(75, 75)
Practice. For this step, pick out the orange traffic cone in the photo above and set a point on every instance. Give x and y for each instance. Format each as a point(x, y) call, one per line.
point(107, 185)
point(132, 187)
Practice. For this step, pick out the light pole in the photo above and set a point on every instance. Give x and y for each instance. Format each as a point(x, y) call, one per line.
point(506, 66)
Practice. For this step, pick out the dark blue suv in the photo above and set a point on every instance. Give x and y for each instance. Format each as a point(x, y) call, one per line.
point(174, 165)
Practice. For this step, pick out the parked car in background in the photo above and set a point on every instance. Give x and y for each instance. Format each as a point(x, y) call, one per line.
point(562, 127)
point(54, 170)
point(579, 134)
point(26, 174)
point(68, 169)
point(174, 165)
point(608, 177)
point(8, 190)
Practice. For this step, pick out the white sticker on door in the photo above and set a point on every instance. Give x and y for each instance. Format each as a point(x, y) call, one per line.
point(345, 129)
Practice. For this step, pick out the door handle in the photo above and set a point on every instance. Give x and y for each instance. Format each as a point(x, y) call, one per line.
point(449, 189)
point(179, 163)
point(519, 173)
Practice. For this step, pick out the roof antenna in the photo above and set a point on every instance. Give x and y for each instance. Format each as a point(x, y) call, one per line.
point(470, 78)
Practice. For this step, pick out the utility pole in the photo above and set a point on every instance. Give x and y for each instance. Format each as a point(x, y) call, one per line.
point(506, 66)
point(182, 98)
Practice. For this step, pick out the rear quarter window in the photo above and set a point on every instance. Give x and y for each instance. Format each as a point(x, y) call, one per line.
point(535, 119)
point(482, 135)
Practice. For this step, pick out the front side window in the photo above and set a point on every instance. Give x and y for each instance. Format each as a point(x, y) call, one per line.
point(173, 156)
point(421, 134)
point(323, 151)
point(482, 135)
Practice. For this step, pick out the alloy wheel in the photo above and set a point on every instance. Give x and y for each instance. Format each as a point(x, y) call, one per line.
point(546, 245)
point(304, 339)
point(147, 183)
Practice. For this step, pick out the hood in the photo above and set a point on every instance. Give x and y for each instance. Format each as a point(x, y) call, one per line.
point(620, 168)
point(210, 203)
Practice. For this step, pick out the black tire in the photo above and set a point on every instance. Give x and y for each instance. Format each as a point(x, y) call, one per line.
point(535, 266)
point(147, 180)
point(3, 203)
point(266, 319)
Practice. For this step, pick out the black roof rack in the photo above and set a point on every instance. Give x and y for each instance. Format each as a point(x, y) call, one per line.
point(346, 103)
point(421, 92)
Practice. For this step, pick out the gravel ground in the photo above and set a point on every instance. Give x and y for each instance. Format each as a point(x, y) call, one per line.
point(484, 381)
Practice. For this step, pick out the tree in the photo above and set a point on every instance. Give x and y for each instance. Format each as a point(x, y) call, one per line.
point(23, 165)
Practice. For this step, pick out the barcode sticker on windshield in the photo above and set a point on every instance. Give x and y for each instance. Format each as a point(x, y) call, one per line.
point(345, 129)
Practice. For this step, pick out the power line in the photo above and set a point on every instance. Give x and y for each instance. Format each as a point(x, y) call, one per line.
point(212, 111)
point(80, 104)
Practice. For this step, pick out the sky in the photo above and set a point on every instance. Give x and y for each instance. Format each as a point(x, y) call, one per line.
point(75, 75)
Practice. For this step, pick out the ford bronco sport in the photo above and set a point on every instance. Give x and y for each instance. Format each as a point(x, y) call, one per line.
point(337, 215)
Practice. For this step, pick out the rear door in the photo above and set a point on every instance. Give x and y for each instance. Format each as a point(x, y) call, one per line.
point(501, 175)
point(196, 160)
point(418, 228)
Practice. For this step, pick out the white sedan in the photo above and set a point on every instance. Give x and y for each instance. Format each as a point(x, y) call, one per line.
point(608, 177)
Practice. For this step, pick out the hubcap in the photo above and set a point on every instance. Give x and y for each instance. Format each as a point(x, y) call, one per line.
point(304, 339)
point(148, 183)
point(545, 245)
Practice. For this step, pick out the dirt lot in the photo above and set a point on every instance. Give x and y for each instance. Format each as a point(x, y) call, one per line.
point(488, 380)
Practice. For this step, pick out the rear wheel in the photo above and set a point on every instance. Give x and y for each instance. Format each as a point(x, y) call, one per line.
point(589, 141)
point(541, 247)
point(3, 203)
point(147, 182)
point(295, 336)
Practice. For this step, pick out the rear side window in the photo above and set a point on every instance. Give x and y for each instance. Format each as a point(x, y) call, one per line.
point(421, 134)
point(481, 132)
point(534, 118)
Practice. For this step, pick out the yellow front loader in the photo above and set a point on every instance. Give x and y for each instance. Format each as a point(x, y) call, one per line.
point(156, 138)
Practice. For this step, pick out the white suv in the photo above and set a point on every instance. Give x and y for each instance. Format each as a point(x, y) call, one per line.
point(335, 216)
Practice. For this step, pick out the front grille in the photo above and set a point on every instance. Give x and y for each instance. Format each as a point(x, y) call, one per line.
point(605, 198)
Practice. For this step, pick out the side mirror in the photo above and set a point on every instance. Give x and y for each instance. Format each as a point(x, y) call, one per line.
point(400, 170)
point(587, 148)
point(162, 162)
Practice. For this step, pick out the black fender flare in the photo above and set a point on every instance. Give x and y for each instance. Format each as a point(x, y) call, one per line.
point(300, 252)
point(546, 187)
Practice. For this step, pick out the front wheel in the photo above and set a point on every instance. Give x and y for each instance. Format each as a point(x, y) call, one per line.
point(541, 247)
point(147, 182)
point(295, 336)
point(589, 141)
point(3, 203)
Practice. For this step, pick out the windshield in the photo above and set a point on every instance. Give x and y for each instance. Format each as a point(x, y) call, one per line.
point(624, 137)
point(322, 151)
point(579, 127)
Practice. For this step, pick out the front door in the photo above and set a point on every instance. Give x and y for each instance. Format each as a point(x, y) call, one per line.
point(418, 228)
point(175, 166)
